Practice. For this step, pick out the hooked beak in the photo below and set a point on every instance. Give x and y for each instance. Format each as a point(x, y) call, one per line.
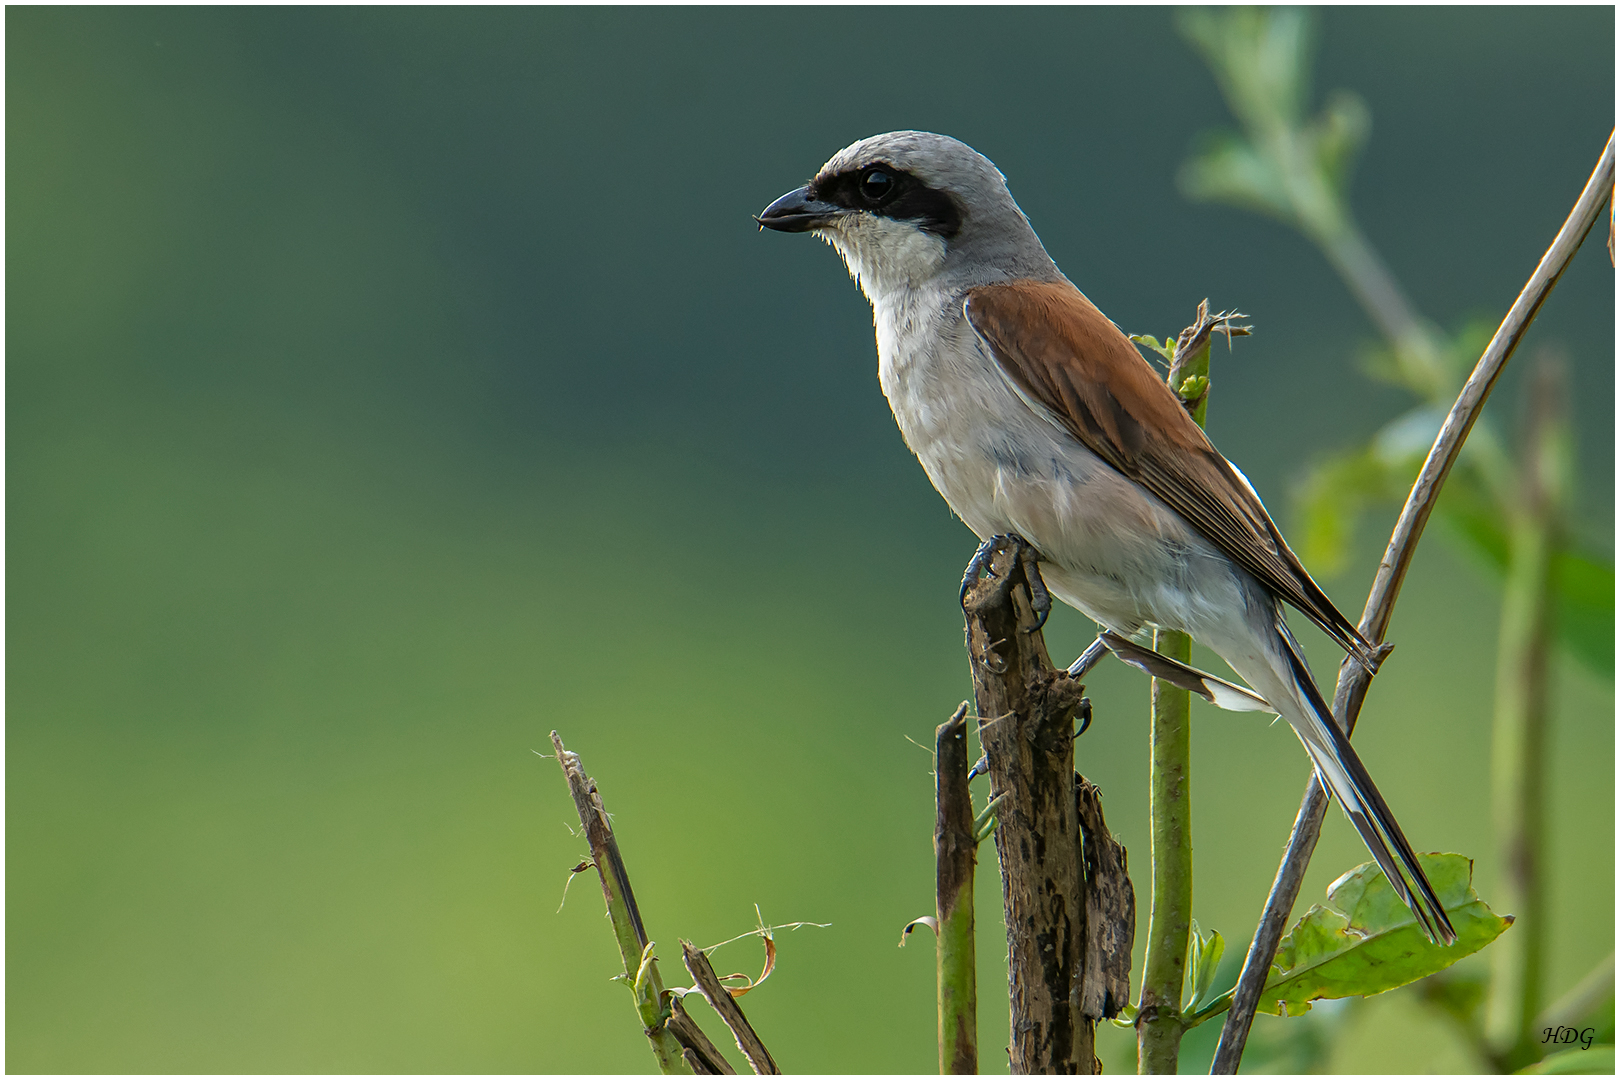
point(798, 212)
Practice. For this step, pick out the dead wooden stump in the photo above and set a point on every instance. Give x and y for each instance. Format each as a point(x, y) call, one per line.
point(1026, 724)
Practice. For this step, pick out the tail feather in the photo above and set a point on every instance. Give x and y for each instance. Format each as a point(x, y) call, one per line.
point(1346, 777)
point(1217, 692)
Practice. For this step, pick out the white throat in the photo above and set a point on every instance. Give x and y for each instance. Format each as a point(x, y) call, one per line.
point(885, 256)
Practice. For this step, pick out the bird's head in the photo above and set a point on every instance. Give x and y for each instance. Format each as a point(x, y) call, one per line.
point(909, 206)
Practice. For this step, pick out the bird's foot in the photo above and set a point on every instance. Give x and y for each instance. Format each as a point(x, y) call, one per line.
point(1025, 556)
point(979, 564)
point(1039, 598)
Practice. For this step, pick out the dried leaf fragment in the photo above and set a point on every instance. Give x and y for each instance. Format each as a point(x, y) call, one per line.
point(926, 920)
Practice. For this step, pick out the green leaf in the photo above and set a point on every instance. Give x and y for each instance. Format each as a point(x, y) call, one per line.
point(1404, 442)
point(1331, 499)
point(1598, 1059)
point(1203, 959)
point(1585, 588)
point(1332, 496)
point(1167, 350)
point(1337, 136)
point(1294, 170)
point(1434, 379)
point(1366, 941)
point(1582, 582)
point(1260, 57)
point(1227, 169)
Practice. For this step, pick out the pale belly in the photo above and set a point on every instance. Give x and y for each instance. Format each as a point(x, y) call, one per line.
point(1108, 547)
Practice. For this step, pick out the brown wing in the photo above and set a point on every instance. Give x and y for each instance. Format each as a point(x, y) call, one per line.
point(1065, 354)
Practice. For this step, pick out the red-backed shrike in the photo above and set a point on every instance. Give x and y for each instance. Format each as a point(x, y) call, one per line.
point(1035, 416)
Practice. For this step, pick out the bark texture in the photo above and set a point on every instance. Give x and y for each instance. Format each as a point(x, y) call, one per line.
point(954, 858)
point(1110, 910)
point(1026, 725)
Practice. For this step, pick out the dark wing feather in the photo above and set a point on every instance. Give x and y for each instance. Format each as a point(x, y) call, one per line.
point(1065, 354)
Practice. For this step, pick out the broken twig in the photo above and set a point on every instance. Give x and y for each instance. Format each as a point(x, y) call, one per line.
point(715, 992)
point(677, 1042)
point(955, 846)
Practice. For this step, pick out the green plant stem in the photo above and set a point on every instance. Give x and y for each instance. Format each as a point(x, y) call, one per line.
point(1192, 358)
point(1210, 1011)
point(1159, 1024)
point(1519, 735)
point(955, 845)
point(640, 969)
point(648, 987)
point(1380, 295)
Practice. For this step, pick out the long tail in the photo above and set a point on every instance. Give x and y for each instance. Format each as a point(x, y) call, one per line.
point(1346, 777)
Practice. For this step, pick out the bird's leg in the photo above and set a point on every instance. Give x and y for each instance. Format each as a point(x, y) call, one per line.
point(1088, 659)
point(979, 564)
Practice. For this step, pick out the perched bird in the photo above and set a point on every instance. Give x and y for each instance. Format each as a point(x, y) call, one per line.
point(1035, 416)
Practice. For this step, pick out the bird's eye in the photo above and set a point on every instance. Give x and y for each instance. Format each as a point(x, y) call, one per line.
point(876, 186)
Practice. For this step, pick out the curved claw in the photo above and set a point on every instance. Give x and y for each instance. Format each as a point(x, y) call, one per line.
point(1084, 713)
point(1039, 598)
point(976, 566)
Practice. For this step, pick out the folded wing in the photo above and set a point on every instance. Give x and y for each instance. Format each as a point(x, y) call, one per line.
point(1068, 358)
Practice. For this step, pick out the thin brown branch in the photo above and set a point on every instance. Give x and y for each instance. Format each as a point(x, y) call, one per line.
point(1353, 679)
point(718, 996)
point(697, 1050)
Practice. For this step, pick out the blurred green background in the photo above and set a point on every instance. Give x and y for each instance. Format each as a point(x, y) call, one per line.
point(387, 388)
